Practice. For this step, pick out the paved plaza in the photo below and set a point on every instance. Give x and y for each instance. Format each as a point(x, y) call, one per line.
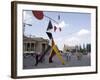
point(29, 61)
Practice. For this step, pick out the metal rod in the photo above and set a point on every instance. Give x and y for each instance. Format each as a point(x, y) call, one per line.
point(51, 19)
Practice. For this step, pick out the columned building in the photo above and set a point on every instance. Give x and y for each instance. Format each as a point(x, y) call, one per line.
point(34, 44)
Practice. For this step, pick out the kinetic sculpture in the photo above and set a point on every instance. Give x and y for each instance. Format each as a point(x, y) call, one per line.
point(54, 50)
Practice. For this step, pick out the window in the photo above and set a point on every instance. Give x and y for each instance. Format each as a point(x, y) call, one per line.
point(43, 47)
point(32, 47)
point(28, 46)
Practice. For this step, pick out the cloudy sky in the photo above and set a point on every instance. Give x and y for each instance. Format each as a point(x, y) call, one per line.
point(76, 27)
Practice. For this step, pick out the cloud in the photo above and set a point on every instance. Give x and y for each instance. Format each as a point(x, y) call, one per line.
point(72, 41)
point(83, 32)
point(75, 39)
point(78, 37)
point(61, 24)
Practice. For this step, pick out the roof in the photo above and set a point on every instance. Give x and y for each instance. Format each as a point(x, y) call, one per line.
point(40, 39)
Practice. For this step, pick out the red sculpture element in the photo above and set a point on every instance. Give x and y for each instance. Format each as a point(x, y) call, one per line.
point(38, 14)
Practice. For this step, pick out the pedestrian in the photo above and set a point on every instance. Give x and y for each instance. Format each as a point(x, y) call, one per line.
point(69, 56)
point(37, 58)
point(79, 56)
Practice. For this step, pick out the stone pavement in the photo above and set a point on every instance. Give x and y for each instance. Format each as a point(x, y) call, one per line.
point(29, 62)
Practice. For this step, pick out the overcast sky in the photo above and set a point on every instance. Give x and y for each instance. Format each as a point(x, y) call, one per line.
point(76, 27)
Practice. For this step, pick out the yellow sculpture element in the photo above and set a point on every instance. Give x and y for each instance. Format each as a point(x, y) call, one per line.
point(54, 47)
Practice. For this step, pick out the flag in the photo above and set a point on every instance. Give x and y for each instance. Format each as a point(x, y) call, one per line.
point(55, 28)
point(49, 35)
point(38, 14)
point(50, 26)
point(59, 29)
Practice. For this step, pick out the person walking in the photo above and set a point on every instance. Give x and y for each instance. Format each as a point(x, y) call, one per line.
point(37, 58)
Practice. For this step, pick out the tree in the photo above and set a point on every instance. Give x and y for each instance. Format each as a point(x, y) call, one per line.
point(88, 47)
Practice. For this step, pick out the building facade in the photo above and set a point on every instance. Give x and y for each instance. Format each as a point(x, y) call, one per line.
point(34, 44)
